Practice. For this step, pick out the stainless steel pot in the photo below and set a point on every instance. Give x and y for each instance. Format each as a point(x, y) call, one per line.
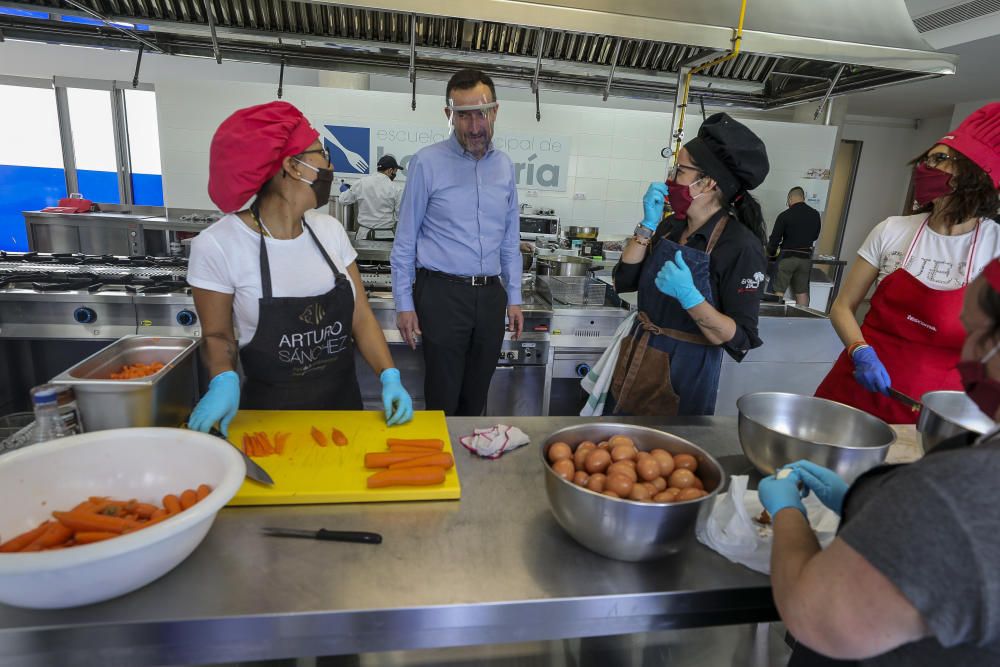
point(946, 414)
point(346, 213)
point(573, 232)
point(562, 265)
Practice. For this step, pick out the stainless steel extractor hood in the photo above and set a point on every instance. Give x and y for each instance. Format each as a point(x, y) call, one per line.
point(793, 51)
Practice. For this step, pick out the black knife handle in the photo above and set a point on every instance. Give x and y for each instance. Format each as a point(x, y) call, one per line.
point(348, 536)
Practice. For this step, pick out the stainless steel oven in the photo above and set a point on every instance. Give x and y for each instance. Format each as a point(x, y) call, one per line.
point(569, 366)
point(521, 379)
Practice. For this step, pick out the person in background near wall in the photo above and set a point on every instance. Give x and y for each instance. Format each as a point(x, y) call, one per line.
point(795, 232)
point(699, 274)
point(456, 264)
point(911, 578)
point(379, 197)
point(284, 275)
point(922, 263)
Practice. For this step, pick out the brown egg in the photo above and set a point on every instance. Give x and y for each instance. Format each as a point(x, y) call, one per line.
point(597, 460)
point(639, 492)
point(616, 440)
point(667, 496)
point(690, 494)
point(665, 460)
point(559, 451)
point(660, 484)
point(652, 489)
point(611, 494)
point(640, 455)
point(629, 462)
point(564, 468)
point(648, 469)
point(604, 444)
point(621, 452)
point(620, 484)
point(681, 478)
point(698, 484)
point(580, 478)
point(596, 482)
point(686, 461)
point(580, 455)
point(622, 468)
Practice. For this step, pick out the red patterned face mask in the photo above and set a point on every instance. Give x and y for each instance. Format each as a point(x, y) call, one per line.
point(680, 198)
point(929, 184)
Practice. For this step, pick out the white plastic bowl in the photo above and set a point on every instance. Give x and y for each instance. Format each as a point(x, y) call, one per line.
point(141, 463)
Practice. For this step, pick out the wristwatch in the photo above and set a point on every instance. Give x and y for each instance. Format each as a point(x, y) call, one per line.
point(643, 232)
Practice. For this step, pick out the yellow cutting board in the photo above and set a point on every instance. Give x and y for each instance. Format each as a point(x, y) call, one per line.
point(307, 473)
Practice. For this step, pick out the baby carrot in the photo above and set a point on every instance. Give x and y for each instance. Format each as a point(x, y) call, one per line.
point(145, 510)
point(439, 459)
point(188, 498)
point(91, 536)
point(410, 477)
point(432, 443)
point(338, 436)
point(319, 437)
point(172, 504)
point(55, 533)
point(386, 459)
point(19, 542)
point(100, 522)
point(203, 491)
point(160, 513)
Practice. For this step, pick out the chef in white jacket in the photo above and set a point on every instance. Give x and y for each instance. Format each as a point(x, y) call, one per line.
point(378, 200)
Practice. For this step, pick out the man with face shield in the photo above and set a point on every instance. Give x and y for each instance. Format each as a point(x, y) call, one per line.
point(456, 263)
point(284, 274)
point(911, 578)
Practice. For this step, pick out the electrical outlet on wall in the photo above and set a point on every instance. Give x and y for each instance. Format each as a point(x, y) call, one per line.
point(579, 195)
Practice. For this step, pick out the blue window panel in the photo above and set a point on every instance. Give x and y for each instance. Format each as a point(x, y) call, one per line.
point(25, 189)
point(98, 186)
point(24, 12)
point(147, 189)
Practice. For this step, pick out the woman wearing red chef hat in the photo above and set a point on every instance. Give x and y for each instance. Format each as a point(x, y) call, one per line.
point(284, 274)
point(911, 338)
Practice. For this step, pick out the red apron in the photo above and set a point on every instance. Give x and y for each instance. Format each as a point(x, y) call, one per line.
point(916, 332)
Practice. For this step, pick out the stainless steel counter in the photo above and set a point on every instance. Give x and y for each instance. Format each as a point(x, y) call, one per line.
point(491, 568)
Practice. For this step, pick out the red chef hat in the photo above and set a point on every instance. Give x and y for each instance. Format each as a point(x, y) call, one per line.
point(248, 148)
point(978, 138)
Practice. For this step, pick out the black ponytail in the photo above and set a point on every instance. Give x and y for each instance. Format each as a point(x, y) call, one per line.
point(746, 209)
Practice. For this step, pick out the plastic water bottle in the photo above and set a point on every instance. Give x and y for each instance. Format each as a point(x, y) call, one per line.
point(49, 424)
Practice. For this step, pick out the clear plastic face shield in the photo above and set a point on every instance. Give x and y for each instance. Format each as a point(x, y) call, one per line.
point(472, 123)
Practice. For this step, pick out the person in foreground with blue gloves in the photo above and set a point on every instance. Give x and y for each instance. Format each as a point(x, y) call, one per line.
point(911, 578)
point(283, 275)
point(699, 273)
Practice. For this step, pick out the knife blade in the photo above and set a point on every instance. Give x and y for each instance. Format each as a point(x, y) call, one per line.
point(254, 471)
point(359, 537)
point(913, 403)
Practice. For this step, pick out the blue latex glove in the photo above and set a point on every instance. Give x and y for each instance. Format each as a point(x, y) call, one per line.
point(826, 484)
point(869, 371)
point(398, 404)
point(675, 279)
point(652, 205)
point(219, 404)
point(778, 494)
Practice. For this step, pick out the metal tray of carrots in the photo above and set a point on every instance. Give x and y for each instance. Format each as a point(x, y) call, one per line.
point(319, 457)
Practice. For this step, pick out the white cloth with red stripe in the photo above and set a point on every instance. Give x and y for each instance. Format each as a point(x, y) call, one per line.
point(495, 441)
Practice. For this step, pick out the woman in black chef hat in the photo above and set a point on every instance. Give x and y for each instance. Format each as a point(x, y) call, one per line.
point(699, 273)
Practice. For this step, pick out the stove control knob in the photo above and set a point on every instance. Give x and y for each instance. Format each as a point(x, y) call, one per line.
point(186, 318)
point(85, 315)
point(582, 370)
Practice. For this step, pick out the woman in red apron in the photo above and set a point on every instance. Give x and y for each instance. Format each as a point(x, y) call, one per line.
point(911, 338)
point(273, 271)
point(910, 578)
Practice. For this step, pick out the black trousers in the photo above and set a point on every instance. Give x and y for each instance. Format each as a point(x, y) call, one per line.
point(462, 330)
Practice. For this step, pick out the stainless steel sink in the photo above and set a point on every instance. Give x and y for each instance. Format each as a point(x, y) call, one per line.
point(784, 310)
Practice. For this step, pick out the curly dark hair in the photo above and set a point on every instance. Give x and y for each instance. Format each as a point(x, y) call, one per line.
point(975, 196)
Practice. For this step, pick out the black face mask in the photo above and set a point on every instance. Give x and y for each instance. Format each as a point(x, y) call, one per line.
point(321, 185)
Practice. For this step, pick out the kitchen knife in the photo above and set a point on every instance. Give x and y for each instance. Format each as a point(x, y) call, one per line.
point(254, 471)
point(913, 403)
point(323, 534)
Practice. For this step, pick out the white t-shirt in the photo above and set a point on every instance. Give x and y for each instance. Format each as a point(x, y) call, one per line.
point(938, 261)
point(226, 258)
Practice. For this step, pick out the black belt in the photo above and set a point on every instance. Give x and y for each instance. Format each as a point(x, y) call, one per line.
point(475, 281)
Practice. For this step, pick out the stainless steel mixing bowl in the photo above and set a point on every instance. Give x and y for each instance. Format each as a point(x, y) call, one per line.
point(946, 414)
point(625, 529)
point(777, 429)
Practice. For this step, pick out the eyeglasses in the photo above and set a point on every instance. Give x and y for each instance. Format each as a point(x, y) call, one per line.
point(322, 151)
point(934, 159)
point(683, 167)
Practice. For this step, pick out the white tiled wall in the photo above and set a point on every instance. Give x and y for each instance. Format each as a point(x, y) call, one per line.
point(615, 152)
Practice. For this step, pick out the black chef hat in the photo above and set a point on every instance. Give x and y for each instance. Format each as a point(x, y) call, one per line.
point(730, 154)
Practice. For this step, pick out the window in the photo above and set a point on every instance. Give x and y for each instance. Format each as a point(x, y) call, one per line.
point(31, 162)
point(94, 144)
point(144, 147)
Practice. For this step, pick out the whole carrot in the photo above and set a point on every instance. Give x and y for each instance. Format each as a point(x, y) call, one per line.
point(318, 437)
point(188, 498)
point(386, 459)
point(425, 476)
point(203, 491)
point(98, 522)
point(338, 436)
point(19, 542)
point(91, 536)
point(439, 459)
point(172, 504)
point(411, 448)
point(428, 443)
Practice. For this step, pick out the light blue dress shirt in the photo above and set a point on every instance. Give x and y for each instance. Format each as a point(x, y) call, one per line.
point(459, 215)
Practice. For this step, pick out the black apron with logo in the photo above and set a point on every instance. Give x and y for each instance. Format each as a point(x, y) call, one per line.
point(301, 356)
